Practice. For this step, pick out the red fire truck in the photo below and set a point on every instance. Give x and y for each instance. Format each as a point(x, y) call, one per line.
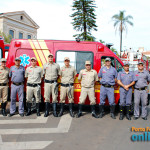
point(78, 51)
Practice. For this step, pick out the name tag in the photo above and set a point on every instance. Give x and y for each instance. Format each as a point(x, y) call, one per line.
point(136, 75)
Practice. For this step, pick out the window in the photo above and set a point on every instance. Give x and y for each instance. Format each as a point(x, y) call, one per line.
point(103, 61)
point(1, 52)
point(20, 35)
point(7, 47)
point(21, 17)
point(11, 32)
point(118, 66)
point(6, 54)
point(77, 59)
point(29, 37)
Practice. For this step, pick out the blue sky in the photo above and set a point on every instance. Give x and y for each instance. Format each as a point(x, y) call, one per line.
point(53, 18)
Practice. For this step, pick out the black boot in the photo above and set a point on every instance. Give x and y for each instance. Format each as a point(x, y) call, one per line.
point(71, 110)
point(112, 111)
point(79, 114)
point(47, 107)
point(4, 109)
point(29, 109)
point(38, 109)
point(61, 109)
point(121, 113)
point(128, 112)
point(54, 110)
point(101, 111)
point(93, 111)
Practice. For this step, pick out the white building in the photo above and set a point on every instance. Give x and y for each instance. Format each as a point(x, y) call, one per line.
point(18, 24)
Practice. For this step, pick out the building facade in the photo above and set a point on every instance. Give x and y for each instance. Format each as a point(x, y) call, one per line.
point(19, 25)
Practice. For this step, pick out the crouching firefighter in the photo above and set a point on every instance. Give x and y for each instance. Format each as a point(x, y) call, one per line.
point(51, 71)
point(34, 75)
point(89, 78)
point(67, 75)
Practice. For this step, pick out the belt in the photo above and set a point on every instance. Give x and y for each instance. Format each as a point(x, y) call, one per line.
point(67, 85)
point(50, 81)
point(33, 85)
point(3, 84)
point(17, 84)
point(141, 89)
point(107, 85)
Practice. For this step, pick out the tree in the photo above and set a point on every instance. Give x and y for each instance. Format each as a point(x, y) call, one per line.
point(101, 41)
point(7, 38)
point(114, 51)
point(84, 19)
point(120, 23)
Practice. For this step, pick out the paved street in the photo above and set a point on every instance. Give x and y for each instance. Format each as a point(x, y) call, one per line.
point(65, 133)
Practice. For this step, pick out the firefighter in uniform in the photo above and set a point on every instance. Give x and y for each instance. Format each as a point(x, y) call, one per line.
point(67, 75)
point(51, 71)
point(4, 79)
point(34, 75)
point(126, 80)
point(89, 78)
point(17, 73)
point(107, 76)
point(140, 91)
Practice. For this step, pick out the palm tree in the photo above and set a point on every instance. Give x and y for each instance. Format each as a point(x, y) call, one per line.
point(120, 23)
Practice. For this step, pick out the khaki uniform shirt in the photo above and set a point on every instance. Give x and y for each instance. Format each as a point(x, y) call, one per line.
point(88, 78)
point(67, 74)
point(4, 75)
point(34, 74)
point(51, 71)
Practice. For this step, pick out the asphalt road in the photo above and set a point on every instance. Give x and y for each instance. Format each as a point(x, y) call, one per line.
point(66, 133)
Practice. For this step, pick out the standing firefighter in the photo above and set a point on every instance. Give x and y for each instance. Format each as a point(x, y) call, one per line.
point(67, 75)
point(51, 71)
point(140, 91)
point(89, 78)
point(126, 80)
point(34, 74)
point(17, 73)
point(4, 79)
point(107, 76)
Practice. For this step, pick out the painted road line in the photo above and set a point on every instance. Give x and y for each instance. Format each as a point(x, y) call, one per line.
point(40, 119)
point(23, 145)
point(63, 127)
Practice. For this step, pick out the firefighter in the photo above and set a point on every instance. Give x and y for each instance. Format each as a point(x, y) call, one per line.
point(34, 75)
point(17, 73)
point(89, 78)
point(126, 80)
point(107, 76)
point(140, 91)
point(67, 75)
point(4, 79)
point(51, 71)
